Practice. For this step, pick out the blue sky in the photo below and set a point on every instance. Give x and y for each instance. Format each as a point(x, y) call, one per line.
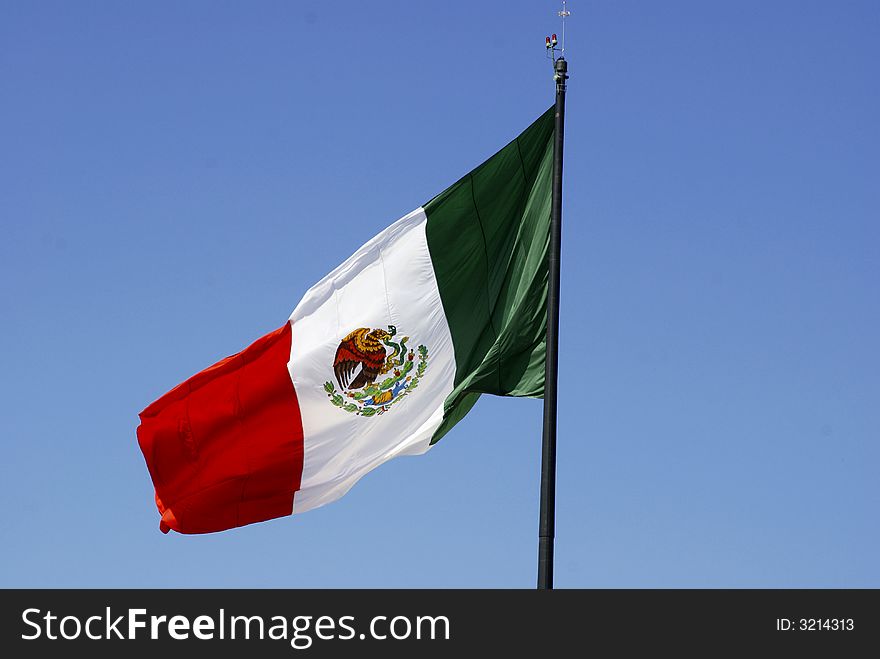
point(174, 176)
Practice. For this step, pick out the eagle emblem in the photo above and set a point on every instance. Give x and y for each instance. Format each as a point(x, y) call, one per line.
point(374, 371)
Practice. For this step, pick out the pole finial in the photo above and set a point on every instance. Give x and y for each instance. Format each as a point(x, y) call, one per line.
point(563, 14)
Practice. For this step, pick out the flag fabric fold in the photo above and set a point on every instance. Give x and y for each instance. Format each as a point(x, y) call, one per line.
point(380, 358)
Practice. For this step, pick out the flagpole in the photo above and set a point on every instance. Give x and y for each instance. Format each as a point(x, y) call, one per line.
point(547, 526)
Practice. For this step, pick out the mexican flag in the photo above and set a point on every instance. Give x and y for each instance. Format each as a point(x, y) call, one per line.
point(380, 358)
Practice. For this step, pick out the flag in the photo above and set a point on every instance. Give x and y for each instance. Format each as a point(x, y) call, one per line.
point(380, 358)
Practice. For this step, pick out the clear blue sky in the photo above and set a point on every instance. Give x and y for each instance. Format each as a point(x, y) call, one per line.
point(173, 176)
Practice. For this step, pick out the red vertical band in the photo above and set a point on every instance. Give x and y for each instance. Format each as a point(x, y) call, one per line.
point(225, 448)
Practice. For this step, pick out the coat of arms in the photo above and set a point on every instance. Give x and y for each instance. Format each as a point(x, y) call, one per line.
point(374, 371)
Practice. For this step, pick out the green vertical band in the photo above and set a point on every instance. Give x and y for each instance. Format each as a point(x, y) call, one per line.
point(488, 237)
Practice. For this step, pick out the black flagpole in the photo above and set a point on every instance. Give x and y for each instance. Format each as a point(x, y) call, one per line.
point(547, 529)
